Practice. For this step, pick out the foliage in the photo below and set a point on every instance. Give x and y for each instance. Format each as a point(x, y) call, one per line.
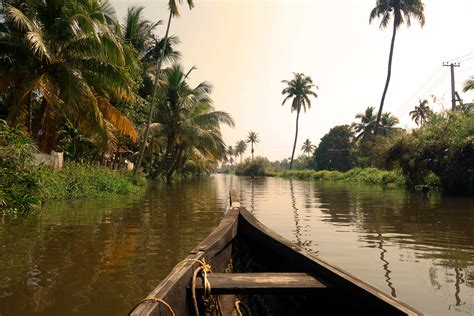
point(252, 168)
point(66, 61)
point(19, 187)
point(444, 146)
point(87, 181)
point(335, 150)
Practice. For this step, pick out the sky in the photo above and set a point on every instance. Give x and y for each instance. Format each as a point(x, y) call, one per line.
point(245, 48)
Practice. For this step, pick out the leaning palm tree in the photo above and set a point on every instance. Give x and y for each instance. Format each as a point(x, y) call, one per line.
point(299, 88)
point(401, 11)
point(240, 148)
point(364, 128)
point(173, 12)
point(308, 147)
point(189, 127)
point(421, 113)
point(252, 138)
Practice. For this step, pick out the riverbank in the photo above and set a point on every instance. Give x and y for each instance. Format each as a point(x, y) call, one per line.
point(28, 190)
point(76, 181)
point(372, 176)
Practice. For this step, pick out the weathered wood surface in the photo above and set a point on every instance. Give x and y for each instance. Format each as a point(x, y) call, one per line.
point(261, 283)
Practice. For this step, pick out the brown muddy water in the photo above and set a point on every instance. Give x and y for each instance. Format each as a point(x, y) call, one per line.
point(99, 257)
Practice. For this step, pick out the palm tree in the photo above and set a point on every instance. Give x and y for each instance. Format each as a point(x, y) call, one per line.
point(308, 147)
point(230, 154)
point(366, 125)
point(240, 148)
point(70, 61)
point(299, 88)
point(138, 31)
point(401, 11)
point(387, 123)
point(173, 11)
point(252, 138)
point(421, 113)
point(187, 123)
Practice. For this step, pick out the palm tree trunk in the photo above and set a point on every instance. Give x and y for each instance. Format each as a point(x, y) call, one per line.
point(389, 74)
point(252, 149)
point(153, 97)
point(296, 137)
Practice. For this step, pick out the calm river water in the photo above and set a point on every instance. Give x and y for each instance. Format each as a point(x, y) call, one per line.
point(99, 257)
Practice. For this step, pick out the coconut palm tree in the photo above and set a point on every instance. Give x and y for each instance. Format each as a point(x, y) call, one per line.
point(67, 59)
point(187, 122)
point(252, 138)
point(401, 11)
point(173, 12)
point(308, 147)
point(421, 113)
point(240, 148)
point(299, 88)
point(387, 123)
point(364, 128)
point(138, 31)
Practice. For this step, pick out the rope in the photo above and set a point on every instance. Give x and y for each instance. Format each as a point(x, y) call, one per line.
point(237, 305)
point(153, 299)
point(204, 268)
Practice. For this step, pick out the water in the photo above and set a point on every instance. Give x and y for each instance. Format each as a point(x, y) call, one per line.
point(99, 257)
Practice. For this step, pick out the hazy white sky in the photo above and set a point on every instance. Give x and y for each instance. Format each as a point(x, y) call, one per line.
point(246, 47)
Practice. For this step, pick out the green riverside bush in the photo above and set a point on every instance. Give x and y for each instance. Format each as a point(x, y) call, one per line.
point(87, 181)
point(357, 175)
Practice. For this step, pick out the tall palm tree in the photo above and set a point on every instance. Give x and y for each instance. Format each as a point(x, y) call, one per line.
point(173, 12)
point(364, 128)
point(421, 113)
point(240, 148)
point(252, 138)
point(187, 122)
point(401, 11)
point(67, 57)
point(308, 147)
point(299, 88)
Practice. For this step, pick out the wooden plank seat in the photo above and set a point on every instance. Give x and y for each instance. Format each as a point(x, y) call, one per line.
point(260, 283)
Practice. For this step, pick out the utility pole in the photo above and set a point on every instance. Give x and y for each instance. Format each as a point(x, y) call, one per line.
point(453, 88)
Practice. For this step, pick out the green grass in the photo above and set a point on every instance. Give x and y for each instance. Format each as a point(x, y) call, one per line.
point(357, 175)
point(77, 181)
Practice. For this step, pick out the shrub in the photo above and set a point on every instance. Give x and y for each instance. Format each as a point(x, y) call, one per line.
point(252, 168)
